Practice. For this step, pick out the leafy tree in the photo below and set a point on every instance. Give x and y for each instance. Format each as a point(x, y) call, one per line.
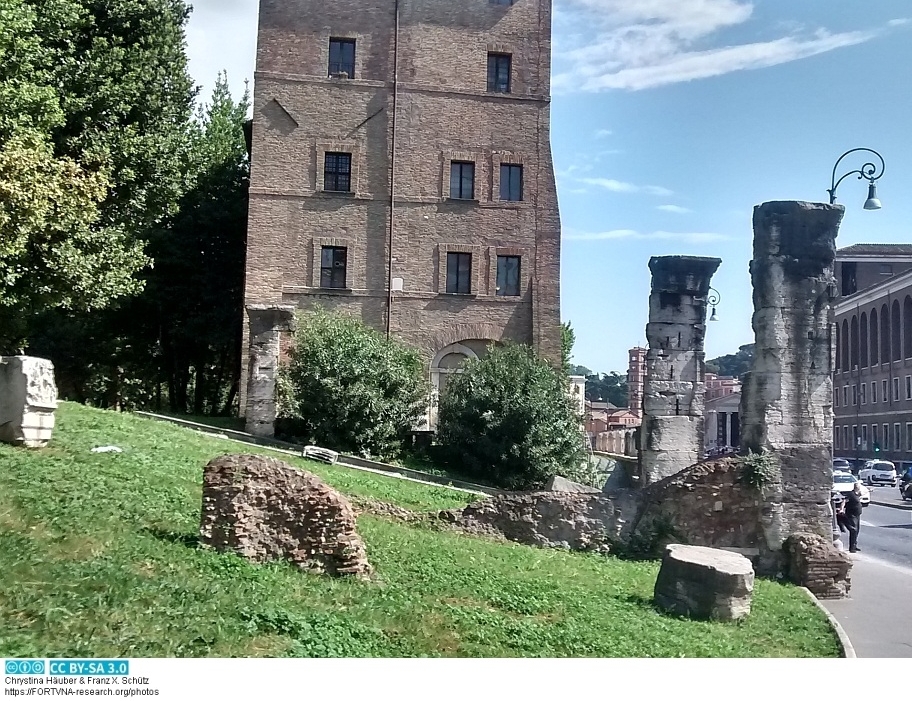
point(53, 252)
point(733, 365)
point(350, 388)
point(508, 419)
point(607, 387)
point(568, 339)
point(580, 371)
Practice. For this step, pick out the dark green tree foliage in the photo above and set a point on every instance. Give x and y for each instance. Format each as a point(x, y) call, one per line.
point(568, 339)
point(195, 291)
point(607, 387)
point(348, 387)
point(508, 418)
point(733, 365)
point(55, 247)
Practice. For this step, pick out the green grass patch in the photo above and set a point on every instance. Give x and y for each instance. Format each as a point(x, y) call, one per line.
point(98, 557)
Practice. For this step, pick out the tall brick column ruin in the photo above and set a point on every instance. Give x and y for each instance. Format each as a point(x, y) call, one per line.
point(266, 324)
point(671, 436)
point(786, 401)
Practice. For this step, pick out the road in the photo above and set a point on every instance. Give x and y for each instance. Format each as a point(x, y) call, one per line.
point(886, 534)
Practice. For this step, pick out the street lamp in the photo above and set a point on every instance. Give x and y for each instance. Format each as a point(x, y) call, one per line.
point(713, 299)
point(867, 172)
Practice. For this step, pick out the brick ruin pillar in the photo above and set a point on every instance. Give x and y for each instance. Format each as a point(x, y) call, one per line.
point(266, 324)
point(671, 436)
point(787, 398)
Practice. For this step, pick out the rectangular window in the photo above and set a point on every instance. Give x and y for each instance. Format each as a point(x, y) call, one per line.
point(508, 271)
point(897, 437)
point(836, 437)
point(459, 273)
point(836, 398)
point(845, 395)
point(886, 269)
point(337, 168)
point(862, 389)
point(864, 437)
point(895, 389)
point(908, 438)
point(875, 436)
point(873, 393)
point(854, 395)
point(333, 264)
point(499, 72)
point(886, 438)
point(856, 439)
point(462, 180)
point(342, 57)
point(511, 182)
point(885, 392)
point(845, 437)
point(908, 386)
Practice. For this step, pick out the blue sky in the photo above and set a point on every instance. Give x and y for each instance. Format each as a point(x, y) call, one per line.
point(671, 120)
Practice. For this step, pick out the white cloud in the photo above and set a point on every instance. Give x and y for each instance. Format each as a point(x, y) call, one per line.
point(620, 186)
point(899, 22)
point(695, 238)
point(602, 133)
point(674, 209)
point(633, 45)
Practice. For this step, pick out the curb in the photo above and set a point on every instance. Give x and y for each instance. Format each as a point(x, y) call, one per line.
point(848, 650)
point(893, 505)
point(349, 461)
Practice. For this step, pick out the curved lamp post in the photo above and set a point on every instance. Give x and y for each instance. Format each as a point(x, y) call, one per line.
point(713, 299)
point(869, 172)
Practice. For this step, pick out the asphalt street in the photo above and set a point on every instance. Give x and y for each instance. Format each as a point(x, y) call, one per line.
point(886, 533)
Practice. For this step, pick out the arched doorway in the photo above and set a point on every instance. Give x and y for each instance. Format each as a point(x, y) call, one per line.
point(448, 361)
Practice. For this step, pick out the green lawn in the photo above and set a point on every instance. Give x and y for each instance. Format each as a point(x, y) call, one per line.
point(98, 557)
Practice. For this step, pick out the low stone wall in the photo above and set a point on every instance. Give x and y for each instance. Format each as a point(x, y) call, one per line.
point(706, 505)
point(574, 521)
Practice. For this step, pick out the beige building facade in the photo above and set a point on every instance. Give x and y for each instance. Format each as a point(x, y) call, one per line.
point(401, 171)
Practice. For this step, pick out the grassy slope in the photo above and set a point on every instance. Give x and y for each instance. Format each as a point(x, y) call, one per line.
point(98, 558)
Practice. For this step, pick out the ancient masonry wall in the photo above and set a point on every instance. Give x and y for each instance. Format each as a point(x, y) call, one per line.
point(672, 429)
point(786, 401)
point(266, 326)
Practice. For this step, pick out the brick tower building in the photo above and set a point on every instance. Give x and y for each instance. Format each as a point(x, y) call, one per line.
point(401, 171)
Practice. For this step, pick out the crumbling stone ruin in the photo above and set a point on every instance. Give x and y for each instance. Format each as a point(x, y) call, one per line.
point(814, 562)
point(671, 435)
point(28, 400)
point(705, 583)
point(266, 325)
point(786, 415)
point(786, 400)
point(264, 509)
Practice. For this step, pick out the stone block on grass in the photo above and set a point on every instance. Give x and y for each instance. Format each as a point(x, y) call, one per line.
point(705, 583)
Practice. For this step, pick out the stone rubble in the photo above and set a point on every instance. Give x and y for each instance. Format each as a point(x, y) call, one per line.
point(264, 509)
point(816, 563)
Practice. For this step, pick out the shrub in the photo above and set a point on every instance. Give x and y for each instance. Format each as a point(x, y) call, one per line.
point(350, 388)
point(508, 418)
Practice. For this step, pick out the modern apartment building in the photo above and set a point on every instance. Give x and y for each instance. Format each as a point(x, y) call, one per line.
point(872, 383)
point(402, 172)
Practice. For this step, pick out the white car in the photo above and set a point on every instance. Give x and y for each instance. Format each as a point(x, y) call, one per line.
point(845, 482)
point(878, 472)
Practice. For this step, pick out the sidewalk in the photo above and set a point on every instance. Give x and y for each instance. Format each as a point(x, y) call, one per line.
point(878, 612)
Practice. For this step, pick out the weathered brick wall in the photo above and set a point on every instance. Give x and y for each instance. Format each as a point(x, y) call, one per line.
point(264, 509)
point(443, 113)
point(815, 563)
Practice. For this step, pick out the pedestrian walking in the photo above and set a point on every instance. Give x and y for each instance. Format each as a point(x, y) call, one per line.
point(852, 510)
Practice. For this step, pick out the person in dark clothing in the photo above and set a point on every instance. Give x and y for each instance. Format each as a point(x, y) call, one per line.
point(852, 511)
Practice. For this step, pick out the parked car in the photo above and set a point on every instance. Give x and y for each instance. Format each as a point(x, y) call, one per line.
point(845, 482)
point(842, 464)
point(878, 472)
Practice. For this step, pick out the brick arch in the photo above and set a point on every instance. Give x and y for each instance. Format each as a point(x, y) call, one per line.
point(462, 332)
